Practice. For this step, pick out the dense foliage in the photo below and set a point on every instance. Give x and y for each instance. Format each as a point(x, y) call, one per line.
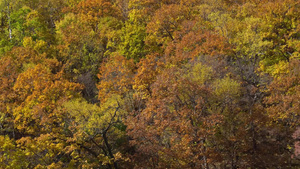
point(149, 84)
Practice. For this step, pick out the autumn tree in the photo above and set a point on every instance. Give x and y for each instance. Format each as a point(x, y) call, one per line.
point(283, 107)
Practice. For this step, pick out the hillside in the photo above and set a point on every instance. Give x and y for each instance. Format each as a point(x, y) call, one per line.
point(209, 84)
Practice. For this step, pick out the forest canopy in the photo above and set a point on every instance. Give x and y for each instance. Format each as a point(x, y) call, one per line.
point(149, 84)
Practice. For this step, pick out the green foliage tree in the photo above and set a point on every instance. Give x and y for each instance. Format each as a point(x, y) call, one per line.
point(98, 132)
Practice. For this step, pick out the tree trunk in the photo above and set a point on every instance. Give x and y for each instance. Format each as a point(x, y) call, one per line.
point(109, 149)
point(9, 22)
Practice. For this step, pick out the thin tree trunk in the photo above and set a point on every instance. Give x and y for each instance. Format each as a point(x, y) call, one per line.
point(205, 165)
point(109, 149)
point(9, 22)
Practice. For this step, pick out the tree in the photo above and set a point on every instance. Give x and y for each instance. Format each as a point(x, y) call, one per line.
point(280, 30)
point(31, 118)
point(115, 77)
point(175, 127)
point(132, 43)
point(283, 107)
point(97, 132)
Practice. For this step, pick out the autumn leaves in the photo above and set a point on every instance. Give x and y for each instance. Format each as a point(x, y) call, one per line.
point(149, 84)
